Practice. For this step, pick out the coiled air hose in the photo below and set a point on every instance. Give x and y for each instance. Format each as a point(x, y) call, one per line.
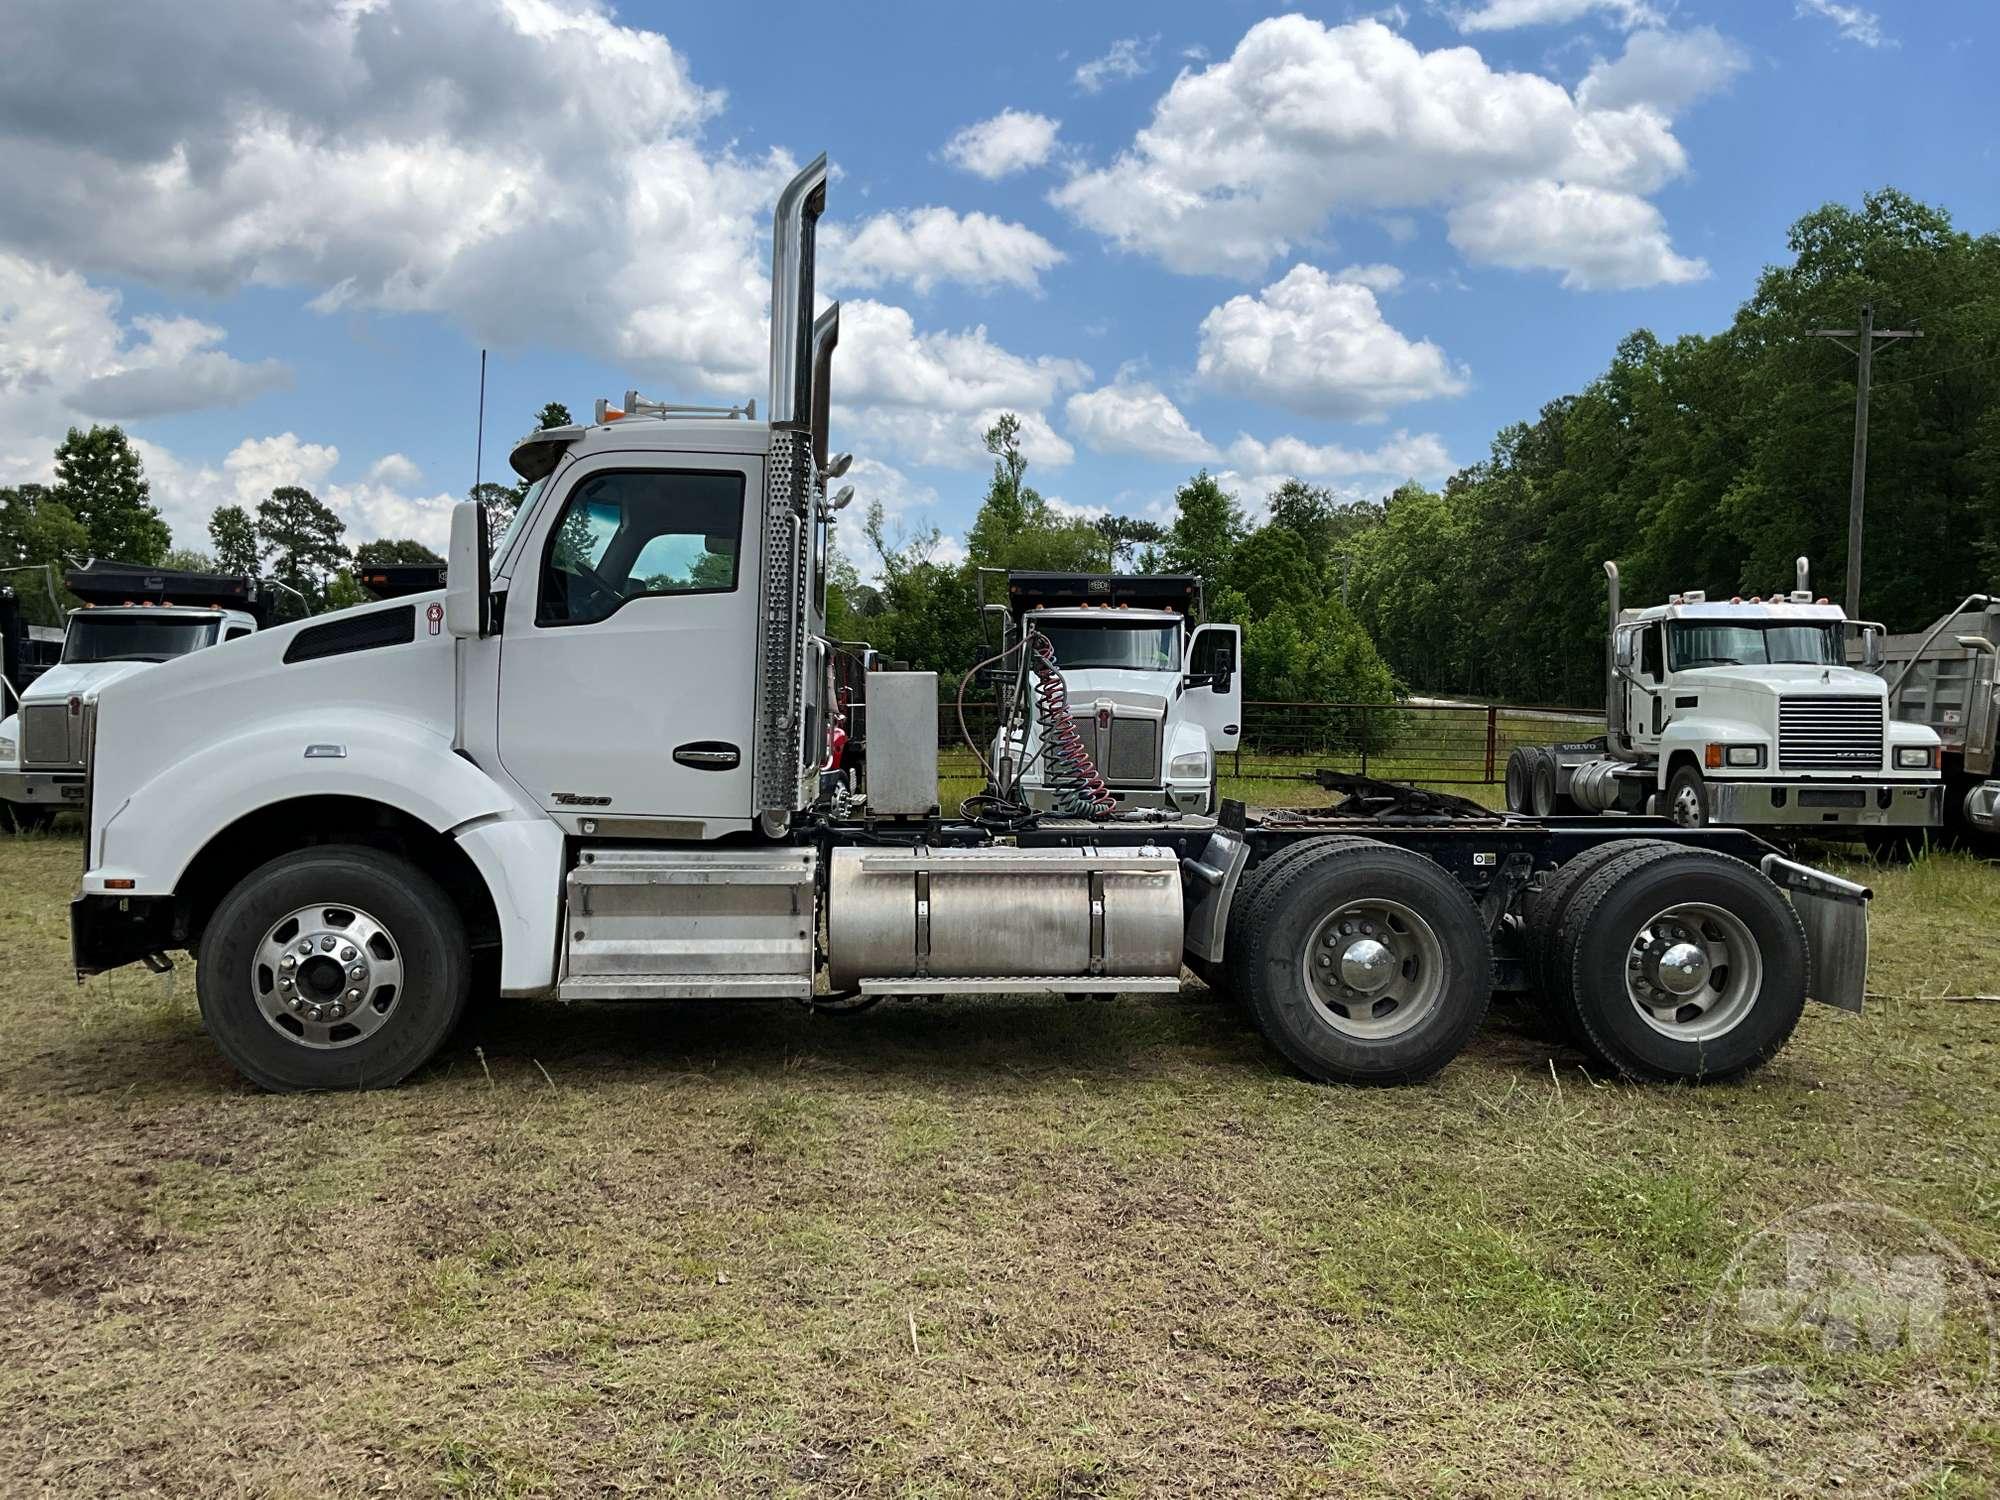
point(1079, 790)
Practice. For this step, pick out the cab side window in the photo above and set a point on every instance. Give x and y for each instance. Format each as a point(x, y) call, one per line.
point(640, 533)
point(1650, 664)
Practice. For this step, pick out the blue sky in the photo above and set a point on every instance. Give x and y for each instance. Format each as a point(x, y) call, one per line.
point(1343, 242)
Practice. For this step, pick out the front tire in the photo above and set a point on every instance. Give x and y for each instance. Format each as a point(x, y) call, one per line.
point(337, 967)
point(1687, 798)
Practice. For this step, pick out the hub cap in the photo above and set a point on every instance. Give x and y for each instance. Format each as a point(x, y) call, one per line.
point(1687, 807)
point(326, 976)
point(1693, 972)
point(1374, 969)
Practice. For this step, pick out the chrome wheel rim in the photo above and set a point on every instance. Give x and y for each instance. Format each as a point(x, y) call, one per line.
point(1693, 972)
point(327, 976)
point(1687, 806)
point(1374, 969)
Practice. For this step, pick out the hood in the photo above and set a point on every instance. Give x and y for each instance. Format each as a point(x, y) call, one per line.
point(1121, 682)
point(78, 679)
point(1799, 679)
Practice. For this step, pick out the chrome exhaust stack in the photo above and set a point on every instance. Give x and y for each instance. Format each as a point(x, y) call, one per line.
point(1616, 736)
point(792, 234)
point(825, 335)
point(1803, 573)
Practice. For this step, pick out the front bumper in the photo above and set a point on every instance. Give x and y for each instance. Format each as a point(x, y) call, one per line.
point(1816, 804)
point(1190, 798)
point(46, 788)
point(108, 932)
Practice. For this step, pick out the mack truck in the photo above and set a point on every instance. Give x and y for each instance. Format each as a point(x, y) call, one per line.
point(595, 766)
point(1152, 692)
point(1945, 678)
point(1743, 712)
point(130, 620)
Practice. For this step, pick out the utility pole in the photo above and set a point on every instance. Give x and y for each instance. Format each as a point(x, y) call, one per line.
point(1863, 349)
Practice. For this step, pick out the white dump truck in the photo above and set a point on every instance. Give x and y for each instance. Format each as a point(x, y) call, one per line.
point(131, 620)
point(1742, 712)
point(596, 766)
point(1151, 696)
point(1945, 677)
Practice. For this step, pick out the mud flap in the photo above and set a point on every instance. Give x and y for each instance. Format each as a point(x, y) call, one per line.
point(1208, 885)
point(1834, 913)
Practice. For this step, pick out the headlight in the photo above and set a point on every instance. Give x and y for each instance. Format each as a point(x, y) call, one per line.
point(6, 748)
point(1908, 757)
point(1194, 763)
point(1750, 756)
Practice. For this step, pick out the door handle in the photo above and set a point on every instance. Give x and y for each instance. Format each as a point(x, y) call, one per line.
point(708, 755)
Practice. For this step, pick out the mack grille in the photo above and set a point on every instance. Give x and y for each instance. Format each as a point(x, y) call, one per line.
point(1830, 734)
point(45, 737)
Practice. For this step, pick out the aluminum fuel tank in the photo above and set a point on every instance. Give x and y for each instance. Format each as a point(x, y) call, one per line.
point(995, 913)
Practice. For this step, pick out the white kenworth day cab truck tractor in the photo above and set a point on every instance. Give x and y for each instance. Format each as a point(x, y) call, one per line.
point(593, 766)
point(1744, 712)
point(131, 620)
point(1143, 692)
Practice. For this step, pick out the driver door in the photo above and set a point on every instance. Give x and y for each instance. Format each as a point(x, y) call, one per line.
point(1216, 651)
point(628, 651)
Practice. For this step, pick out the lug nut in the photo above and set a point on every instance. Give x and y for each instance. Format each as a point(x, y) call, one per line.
point(288, 963)
point(353, 995)
point(347, 955)
point(1324, 962)
point(305, 948)
point(313, 1011)
point(356, 972)
point(336, 1011)
point(285, 984)
point(327, 944)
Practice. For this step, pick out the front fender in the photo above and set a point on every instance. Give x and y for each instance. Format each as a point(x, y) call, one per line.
point(152, 836)
point(1694, 735)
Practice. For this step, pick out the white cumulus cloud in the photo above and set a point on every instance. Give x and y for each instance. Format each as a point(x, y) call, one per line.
point(1599, 240)
point(1138, 419)
point(1505, 15)
point(1012, 141)
point(1250, 158)
point(1128, 57)
point(926, 246)
point(1668, 70)
point(1321, 347)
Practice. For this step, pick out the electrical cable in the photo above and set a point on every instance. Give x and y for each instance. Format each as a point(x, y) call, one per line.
point(1079, 790)
point(964, 732)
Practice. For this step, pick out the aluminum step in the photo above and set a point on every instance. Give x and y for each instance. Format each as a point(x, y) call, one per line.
point(1027, 984)
point(680, 987)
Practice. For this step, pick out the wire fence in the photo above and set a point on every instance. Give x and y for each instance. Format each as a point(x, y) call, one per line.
point(1442, 744)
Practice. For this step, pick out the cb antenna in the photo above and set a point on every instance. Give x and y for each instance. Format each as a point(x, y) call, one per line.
point(479, 442)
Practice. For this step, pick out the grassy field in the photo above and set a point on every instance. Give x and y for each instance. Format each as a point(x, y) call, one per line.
point(995, 1247)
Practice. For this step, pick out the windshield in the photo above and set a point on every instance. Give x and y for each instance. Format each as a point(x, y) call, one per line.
point(94, 637)
point(1139, 646)
point(497, 554)
point(1732, 645)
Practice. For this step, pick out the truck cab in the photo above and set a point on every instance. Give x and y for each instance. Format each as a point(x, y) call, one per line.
point(1742, 712)
point(131, 620)
point(1155, 696)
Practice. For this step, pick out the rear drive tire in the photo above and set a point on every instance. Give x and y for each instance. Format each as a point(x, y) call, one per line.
point(1542, 784)
point(1369, 965)
point(1542, 908)
point(1687, 798)
point(1232, 975)
point(1681, 964)
point(337, 967)
point(1520, 776)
